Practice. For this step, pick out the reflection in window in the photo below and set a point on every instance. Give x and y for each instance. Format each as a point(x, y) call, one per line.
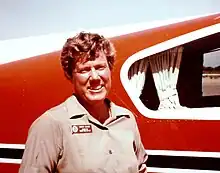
point(211, 73)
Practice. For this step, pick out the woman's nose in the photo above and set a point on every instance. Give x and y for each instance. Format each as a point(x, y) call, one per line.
point(94, 74)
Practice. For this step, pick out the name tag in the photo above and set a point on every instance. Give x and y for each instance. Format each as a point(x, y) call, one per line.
point(81, 129)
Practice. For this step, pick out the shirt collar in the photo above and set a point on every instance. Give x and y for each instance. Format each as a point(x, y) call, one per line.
point(76, 109)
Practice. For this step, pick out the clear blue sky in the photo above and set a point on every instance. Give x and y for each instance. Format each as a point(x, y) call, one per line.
point(21, 18)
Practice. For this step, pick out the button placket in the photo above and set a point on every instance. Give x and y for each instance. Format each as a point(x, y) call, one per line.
point(110, 151)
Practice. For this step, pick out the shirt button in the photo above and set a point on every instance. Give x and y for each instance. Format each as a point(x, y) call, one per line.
point(110, 151)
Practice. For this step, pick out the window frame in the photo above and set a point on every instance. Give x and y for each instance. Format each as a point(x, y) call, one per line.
point(184, 113)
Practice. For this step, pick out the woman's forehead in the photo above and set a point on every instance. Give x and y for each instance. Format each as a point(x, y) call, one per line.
point(92, 61)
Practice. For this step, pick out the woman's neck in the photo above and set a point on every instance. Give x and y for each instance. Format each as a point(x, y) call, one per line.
point(99, 111)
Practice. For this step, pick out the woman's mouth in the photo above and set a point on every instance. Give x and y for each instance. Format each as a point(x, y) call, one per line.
point(95, 89)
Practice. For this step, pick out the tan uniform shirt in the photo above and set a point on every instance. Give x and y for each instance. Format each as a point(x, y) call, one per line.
point(67, 139)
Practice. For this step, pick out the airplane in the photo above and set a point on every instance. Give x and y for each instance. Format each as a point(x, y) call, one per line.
point(158, 75)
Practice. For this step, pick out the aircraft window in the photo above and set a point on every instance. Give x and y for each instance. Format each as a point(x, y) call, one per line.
point(180, 77)
point(211, 73)
point(172, 76)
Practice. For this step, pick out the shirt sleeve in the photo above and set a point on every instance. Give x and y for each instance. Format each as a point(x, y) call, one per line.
point(43, 146)
point(140, 151)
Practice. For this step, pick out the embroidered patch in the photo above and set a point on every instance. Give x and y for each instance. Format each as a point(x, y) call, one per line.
point(81, 129)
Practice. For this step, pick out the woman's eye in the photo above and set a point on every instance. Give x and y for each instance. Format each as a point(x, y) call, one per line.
point(101, 68)
point(84, 70)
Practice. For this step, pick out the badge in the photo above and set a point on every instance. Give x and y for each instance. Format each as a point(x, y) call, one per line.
point(81, 129)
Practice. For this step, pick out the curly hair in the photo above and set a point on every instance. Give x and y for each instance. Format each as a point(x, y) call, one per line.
point(85, 45)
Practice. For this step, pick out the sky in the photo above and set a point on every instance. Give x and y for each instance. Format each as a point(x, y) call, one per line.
point(23, 18)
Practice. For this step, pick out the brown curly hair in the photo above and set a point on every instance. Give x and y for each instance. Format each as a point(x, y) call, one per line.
point(85, 45)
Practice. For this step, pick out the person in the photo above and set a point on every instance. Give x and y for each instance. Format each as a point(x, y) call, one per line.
point(87, 133)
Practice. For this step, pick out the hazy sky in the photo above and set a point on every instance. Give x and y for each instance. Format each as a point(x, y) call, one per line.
point(21, 18)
